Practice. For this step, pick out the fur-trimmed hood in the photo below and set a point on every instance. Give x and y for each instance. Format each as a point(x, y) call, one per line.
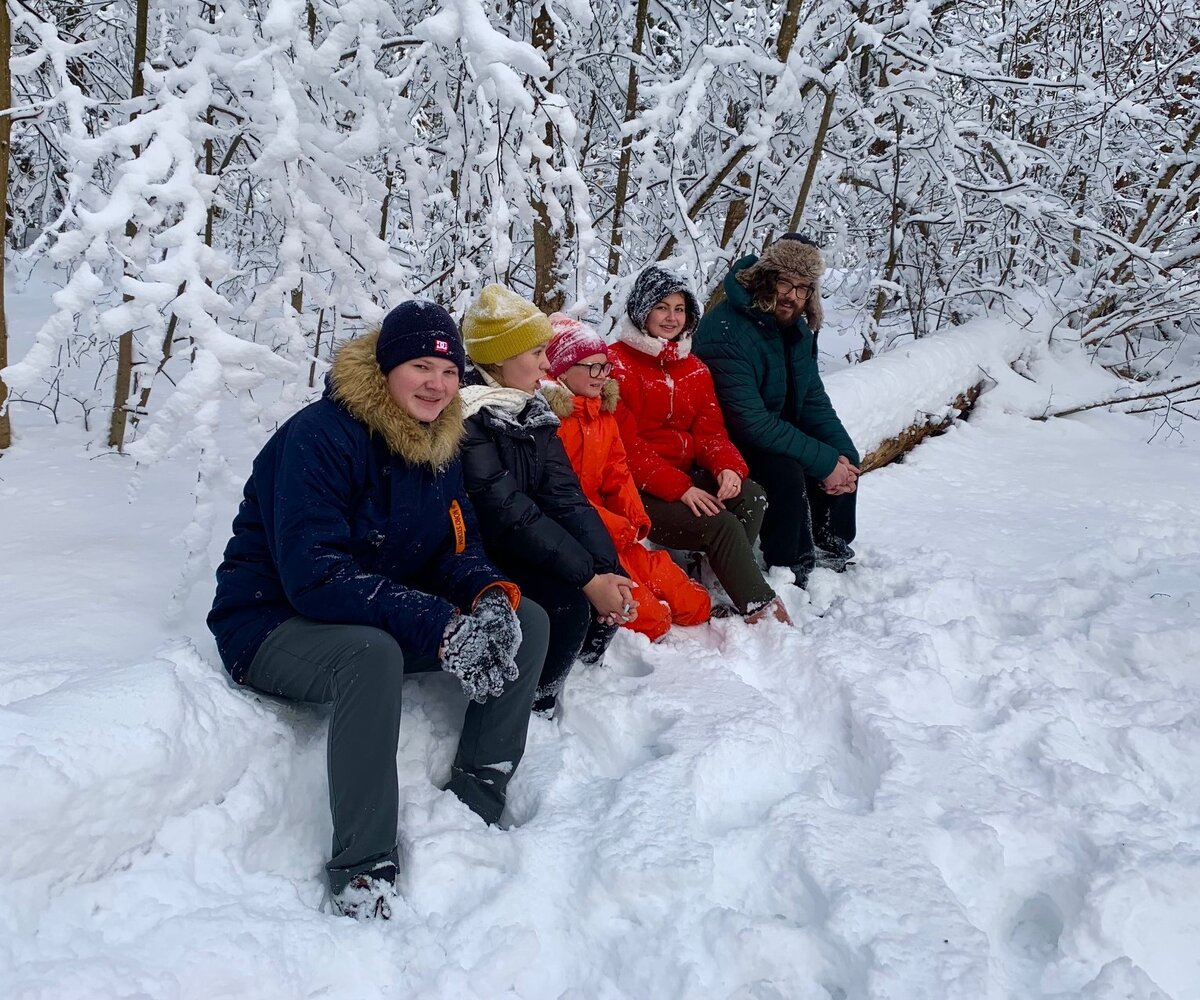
point(564, 402)
point(357, 383)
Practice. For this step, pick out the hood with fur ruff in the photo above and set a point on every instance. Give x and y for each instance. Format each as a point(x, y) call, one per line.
point(563, 401)
point(358, 384)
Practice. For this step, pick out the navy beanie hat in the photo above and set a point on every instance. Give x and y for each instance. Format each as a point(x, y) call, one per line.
point(418, 329)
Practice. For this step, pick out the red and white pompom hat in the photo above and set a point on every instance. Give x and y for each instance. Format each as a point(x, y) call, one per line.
point(573, 341)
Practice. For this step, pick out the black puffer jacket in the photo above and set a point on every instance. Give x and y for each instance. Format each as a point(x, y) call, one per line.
point(531, 509)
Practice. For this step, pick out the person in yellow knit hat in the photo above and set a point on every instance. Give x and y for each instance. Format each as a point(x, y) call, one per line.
point(535, 521)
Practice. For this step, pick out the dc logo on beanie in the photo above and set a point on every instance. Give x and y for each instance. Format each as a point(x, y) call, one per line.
point(441, 346)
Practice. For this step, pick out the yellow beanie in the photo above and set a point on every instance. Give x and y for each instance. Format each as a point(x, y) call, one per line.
point(500, 325)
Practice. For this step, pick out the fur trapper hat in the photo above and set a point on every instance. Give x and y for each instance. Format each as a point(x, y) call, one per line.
point(797, 255)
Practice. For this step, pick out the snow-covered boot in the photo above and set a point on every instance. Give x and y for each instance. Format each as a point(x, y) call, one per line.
point(595, 643)
point(545, 707)
point(801, 572)
point(834, 553)
point(368, 895)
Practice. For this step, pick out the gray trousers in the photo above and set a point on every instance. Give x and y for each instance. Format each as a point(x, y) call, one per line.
point(360, 671)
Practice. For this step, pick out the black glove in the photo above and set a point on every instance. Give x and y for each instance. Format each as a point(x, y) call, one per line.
point(480, 648)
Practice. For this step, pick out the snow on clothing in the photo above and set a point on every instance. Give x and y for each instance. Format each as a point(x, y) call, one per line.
point(353, 548)
point(361, 671)
point(675, 438)
point(354, 513)
point(500, 325)
point(592, 440)
point(535, 520)
point(676, 421)
point(779, 414)
point(573, 341)
point(653, 285)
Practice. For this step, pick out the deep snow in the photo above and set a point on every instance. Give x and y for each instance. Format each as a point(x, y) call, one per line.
point(969, 772)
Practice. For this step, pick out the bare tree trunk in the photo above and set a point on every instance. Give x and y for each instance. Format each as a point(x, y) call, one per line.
point(813, 156)
point(121, 391)
point(787, 30)
point(5, 150)
point(889, 267)
point(626, 159)
point(547, 294)
point(735, 212)
point(312, 368)
point(389, 183)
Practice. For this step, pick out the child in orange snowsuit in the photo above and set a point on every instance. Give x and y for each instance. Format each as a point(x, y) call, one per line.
point(584, 401)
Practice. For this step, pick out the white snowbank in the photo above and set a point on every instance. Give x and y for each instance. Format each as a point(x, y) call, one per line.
point(880, 398)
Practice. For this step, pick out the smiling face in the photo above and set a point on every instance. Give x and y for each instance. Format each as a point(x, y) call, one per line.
point(525, 370)
point(791, 296)
point(581, 381)
point(668, 317)
point(423, 387)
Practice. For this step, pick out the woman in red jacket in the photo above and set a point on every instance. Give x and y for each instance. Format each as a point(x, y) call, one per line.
point(692, 478)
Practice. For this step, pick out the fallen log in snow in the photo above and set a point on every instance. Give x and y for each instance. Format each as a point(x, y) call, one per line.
point(894, 401)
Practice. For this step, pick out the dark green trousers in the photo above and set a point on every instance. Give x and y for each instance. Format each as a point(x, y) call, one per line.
point(726, 538)
point(360, 670)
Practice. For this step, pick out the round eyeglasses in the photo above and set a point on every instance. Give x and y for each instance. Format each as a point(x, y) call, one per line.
point(597, 369)
point(792, 288)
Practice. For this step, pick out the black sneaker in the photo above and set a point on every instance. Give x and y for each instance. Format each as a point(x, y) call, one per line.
point(368, 895)
point(545, 707)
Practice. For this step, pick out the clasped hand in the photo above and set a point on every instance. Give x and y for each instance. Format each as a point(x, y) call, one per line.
point(612, 596)
point(843, 478)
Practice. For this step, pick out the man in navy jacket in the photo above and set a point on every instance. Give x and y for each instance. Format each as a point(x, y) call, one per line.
point(355, 558)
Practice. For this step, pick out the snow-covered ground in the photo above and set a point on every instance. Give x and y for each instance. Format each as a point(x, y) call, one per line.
point(969, 772)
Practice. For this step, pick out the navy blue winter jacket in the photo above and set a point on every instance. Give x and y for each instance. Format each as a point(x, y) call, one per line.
point(354, 513)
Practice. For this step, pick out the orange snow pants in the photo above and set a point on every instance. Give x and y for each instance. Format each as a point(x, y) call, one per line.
point(664, 592)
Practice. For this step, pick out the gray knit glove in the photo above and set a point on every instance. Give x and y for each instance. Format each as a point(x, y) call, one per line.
point(480, 648)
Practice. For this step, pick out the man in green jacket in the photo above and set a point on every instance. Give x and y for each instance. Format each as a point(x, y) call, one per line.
point(761, 344)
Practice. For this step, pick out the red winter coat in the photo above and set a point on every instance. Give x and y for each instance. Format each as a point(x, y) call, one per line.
point(592, 441)
point(670, 419)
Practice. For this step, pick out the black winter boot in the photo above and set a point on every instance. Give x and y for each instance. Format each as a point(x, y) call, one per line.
point(595, 643)
point(834, 553)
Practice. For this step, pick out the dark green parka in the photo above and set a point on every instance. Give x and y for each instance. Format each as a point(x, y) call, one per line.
point(751, 358)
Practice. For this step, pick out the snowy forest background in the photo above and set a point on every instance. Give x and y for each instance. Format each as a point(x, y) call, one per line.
point(228, 189)
point(967, 773)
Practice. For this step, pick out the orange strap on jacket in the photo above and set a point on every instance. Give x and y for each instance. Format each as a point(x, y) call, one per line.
point(460, 528)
